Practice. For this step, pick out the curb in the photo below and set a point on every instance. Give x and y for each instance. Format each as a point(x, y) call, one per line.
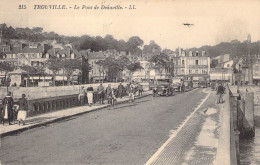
point(60, 119)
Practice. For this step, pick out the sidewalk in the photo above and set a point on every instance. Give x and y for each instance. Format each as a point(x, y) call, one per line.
point(51, 117)
point(196, 140)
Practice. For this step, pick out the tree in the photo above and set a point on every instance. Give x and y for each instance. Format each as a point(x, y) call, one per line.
point(69, 66)
point(6, 67)
point(133, 67)
point(213, 63)
point(113, 67)
point(122, 45)
point(37, 30)
point(152, 47)
point(133, 45)
point(55, 65)
point(161, 61)
point(101, 69)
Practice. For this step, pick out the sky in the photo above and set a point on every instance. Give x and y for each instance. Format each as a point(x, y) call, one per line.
point(214, 21)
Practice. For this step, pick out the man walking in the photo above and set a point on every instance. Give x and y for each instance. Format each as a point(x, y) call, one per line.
point(120, 90)
point(108, 90)
point(101, 93)
point(220, 92)
point(81, 96)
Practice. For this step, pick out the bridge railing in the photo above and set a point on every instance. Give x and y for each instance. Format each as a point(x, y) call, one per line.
point(227, 146)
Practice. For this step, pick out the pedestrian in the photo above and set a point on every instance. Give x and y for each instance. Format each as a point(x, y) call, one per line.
point(81, 96)
point(108, 90)
point(22, 110)
point(220, 92)
point(101, 94)
point(120, 90)
point(154, 91)
point(140, 90)
point(8, 108)
point(90, 92)
point(131, 92)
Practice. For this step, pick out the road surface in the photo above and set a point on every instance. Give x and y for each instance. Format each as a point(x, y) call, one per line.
point(128, 134)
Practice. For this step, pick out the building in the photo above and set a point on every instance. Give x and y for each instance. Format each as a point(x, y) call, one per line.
point(227, 64)
point(222, 58)
point(221, 74)
point(24, 53)
point(192, 65)
point(256, 72)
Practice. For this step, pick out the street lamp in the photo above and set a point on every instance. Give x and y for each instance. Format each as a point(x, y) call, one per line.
point(222, 75)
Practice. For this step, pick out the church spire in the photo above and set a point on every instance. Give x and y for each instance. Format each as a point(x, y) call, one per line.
point(249, 38)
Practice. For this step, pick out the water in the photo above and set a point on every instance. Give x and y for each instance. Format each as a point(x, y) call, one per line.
point(250, 149)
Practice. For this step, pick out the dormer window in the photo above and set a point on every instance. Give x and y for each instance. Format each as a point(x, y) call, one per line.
point(58, 55)
point(63, 55)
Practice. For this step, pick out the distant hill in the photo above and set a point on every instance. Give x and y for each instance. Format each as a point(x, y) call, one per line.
point(235, 48)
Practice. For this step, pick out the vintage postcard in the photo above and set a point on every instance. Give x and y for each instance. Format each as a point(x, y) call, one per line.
point(129, 82)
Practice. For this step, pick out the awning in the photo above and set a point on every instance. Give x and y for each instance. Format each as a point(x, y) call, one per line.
point(46, 78)
point(60, 78)
point(34, 78)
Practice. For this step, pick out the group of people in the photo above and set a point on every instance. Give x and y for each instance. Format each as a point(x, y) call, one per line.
point(14, 112)
point(86, 96)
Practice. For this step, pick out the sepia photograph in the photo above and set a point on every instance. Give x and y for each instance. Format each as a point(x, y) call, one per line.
point(130, 82)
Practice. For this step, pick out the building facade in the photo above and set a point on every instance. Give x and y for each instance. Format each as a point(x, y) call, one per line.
point(192, 64)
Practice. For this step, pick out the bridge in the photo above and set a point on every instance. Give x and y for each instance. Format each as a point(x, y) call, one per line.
point(187, 128)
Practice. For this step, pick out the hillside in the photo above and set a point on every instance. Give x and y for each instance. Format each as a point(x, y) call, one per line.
point(235, 48)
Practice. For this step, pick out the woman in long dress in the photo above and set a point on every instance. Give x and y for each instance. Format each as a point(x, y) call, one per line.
point(8, 105)
point(22, 110)
point(90, 92)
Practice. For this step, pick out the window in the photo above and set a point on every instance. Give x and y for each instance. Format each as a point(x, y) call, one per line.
point(196, 62)
point(227, 65)
point(190, 71)
point(63, 55)
point(182, 62)
point(196, 71)
point(58, 55)
point(197, 54)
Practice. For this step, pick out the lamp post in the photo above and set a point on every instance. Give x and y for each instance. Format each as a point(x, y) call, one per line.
point(222, 75)
point(250, 68)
